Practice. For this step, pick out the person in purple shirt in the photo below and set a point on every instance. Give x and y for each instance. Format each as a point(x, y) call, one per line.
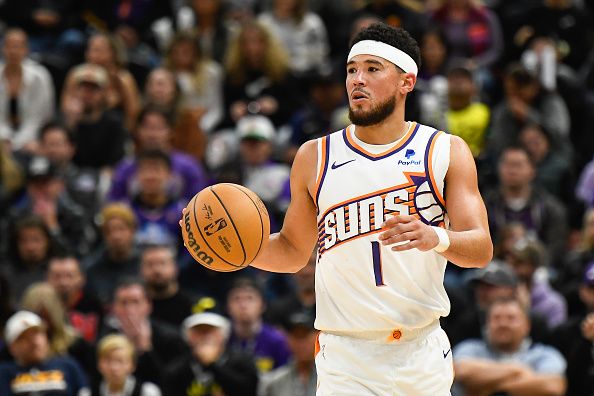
point(156, 209)
point(153, 132)
point(245, 305)
point(527, 255)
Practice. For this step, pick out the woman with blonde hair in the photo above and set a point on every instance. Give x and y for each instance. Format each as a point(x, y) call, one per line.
point(122, 91)
point(42, 299)
point(116, 361)
point(258, 77)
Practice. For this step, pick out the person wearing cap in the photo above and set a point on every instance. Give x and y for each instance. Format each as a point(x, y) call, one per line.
point(99, 133)
point(46, 197)
point(26, 94)
point(298, 377)
point(372, 197)
point(249, 332)
point(505, 360)
point(575, 339)
point(495, 281)
point(256, 168)
point(211, 368)
point(32, 371)
point(527, 256)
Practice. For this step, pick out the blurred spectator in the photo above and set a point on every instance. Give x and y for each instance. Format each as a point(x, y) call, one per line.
point(30, 248)
point(506, 360)
point(553, 171)
point(569, 277)
point(326, 111)
point(159, 272)
point(575, 339)
point(258, 77)
point(162, 90)
point(99, 134)
point(585, 186)
point(527, 257)
point(116, 362)
point(245, 304)
point(42, 299)
point(517, 199)
point(154, 133)
point(302, 33)
point(157, 344)
point(526, 102)
point(57, 144)
point(299, 377)
point(511, 233)
point(473, 32)
point(46, 197)
point(255, 168)
point(466, 117)
point(83, 309)
point(303, 299)
point(211, 368)
point(207, 18)
point(33, 366)
point(409, 15)
point(156, 210)
point(118, 256)
point(432, 83)
point(11, 179)
point(496, 280)
point(200, 79)
point(26, 94)
point(121, 91)
point(569, 21)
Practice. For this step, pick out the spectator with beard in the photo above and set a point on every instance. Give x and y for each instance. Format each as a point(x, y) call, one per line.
point(159, 272)
point(99, 134)
point(83, 309)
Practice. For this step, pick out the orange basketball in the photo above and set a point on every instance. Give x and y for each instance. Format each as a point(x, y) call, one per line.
point(225, 227)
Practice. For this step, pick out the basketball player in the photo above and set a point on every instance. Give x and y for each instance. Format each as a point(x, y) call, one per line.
point(388, 203)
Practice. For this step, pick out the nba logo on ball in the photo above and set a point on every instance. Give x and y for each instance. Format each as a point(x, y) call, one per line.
point(225, 227)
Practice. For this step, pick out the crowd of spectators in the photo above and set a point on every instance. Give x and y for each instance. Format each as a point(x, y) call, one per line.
point(114, 113)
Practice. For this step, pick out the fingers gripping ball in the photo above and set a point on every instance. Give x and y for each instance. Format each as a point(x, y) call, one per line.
point(225, 226)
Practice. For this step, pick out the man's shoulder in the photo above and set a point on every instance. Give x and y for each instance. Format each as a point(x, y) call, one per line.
point(472, 348)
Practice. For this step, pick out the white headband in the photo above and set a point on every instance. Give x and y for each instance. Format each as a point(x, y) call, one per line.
point(386, 51)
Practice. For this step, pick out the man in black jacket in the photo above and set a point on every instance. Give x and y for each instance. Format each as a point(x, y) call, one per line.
point(210, 369)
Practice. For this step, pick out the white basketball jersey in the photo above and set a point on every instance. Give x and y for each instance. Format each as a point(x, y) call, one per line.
point(360, 284)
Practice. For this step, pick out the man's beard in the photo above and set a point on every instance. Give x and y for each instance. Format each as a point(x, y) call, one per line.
point(158, 286)
point(374, 116)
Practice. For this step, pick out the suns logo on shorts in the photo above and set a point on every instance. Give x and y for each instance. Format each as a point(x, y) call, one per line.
point(364, 215)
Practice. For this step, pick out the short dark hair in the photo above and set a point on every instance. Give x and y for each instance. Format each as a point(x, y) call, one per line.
point(154, 155)
point(152, 108)
point(129, 281)
point(56, 124)
point(394, 36)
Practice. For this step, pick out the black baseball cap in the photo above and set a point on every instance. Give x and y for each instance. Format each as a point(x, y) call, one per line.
point(300, 320)
point(40, 168)
point(496, 273)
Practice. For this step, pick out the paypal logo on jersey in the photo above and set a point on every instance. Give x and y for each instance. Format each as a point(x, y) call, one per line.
point(408, 155)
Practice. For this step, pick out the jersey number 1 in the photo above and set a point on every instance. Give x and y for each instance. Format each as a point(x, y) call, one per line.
point(376, 256)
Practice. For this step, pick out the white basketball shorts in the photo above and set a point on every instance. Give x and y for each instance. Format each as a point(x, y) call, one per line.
point(405, 364)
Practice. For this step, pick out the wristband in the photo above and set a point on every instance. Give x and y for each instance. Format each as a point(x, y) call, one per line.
point(444, 239)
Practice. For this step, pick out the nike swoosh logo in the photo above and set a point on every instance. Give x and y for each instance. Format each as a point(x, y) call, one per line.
point(335, 165)
point(445, 354)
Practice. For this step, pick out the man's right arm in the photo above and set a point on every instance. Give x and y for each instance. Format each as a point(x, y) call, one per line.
point(290, 249)
point(481, 376)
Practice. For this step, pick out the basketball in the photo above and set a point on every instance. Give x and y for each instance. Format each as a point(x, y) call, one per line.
point(225, 227)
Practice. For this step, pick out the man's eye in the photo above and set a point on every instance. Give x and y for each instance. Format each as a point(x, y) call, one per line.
point(373, 69)
point(351, 70)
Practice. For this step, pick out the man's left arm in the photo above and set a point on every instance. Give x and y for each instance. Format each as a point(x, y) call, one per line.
point(533, 384)
point(469, 239)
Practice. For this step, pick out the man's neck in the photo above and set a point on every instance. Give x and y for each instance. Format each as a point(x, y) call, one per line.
point(522, 192)
point(389, 130)
point(307, 297)
point(13, 69)
point(304, 370)
point(156, 200)
point(248, 330)
point(119, 255)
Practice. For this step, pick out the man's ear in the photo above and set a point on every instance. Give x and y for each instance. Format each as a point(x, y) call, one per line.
point(407, 83)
